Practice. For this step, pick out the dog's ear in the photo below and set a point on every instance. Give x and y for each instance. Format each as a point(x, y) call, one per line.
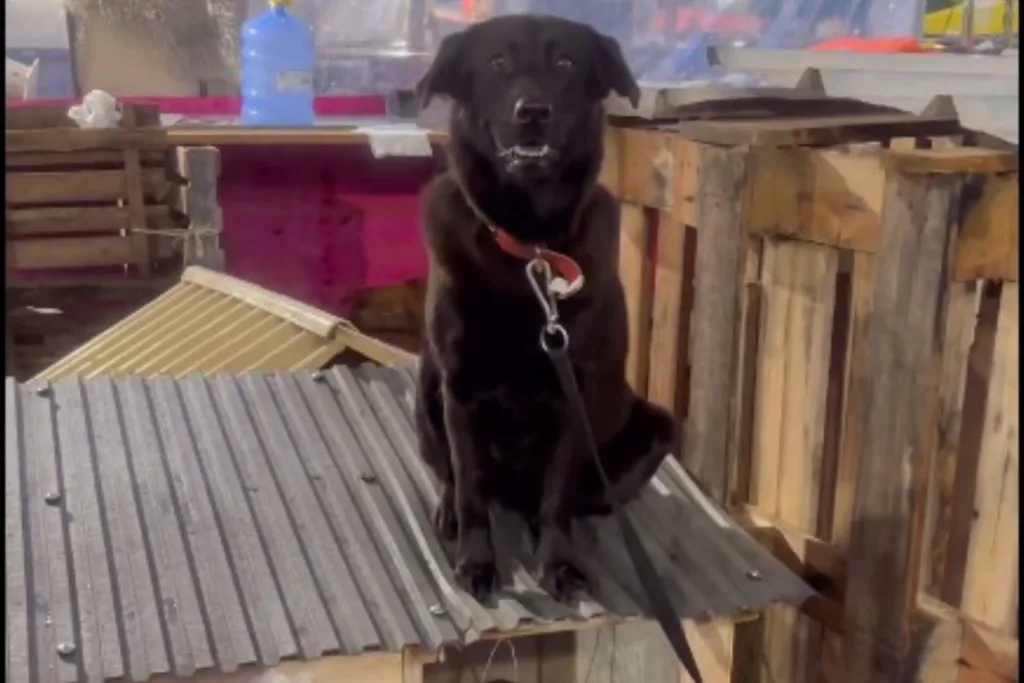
point(612, 73)
point(447, 74)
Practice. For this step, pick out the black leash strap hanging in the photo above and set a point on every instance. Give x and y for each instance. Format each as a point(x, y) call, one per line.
point(554, 340)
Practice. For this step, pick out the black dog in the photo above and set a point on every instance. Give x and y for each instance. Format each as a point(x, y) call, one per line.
point(525, 150)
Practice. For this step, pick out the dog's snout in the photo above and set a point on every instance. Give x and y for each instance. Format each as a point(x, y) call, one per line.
point(531, 111)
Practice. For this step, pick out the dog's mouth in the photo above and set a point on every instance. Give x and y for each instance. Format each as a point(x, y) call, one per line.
point(522, 155)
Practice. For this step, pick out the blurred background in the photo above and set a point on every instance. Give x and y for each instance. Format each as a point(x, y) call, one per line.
point(189, 48)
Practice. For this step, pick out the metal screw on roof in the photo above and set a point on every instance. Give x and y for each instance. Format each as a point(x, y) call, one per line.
point(43, 390)
point(754, 575)
point(318, 376)
point(368, 477)
point(52, 497)
point(66, 649)
point(437, 610)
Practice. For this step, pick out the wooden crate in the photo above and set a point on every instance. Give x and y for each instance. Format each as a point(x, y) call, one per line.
point(87, 199)
point(98, 222)
point(837, 326)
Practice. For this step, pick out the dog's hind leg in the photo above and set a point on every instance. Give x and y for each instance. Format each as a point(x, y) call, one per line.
point(434, 450)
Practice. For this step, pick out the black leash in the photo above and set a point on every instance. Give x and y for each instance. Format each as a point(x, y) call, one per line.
point(554, 340)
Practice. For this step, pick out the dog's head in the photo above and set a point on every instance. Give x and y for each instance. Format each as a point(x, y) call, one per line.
point(528, 88)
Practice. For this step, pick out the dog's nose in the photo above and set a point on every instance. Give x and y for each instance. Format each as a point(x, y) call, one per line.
point(531, 111)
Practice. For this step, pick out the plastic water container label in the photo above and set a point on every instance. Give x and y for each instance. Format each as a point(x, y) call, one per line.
point(294, 81)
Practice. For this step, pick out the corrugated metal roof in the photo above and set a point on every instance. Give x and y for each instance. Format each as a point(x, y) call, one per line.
point(205, 522)
point(211, 322)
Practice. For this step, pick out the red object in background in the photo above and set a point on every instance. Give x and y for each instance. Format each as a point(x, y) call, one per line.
point(315, 222)
point(331, 106)
point(320, 223)
point(888, 44)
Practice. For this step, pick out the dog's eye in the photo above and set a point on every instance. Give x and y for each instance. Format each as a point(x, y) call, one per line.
point(498, 63)
point(564, 63)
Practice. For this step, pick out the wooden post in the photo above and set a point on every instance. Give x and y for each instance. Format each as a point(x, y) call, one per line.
point(714, 323)
point(201, 167)
point(905, 331)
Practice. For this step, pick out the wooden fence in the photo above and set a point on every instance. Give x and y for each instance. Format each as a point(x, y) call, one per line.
point(837, 326)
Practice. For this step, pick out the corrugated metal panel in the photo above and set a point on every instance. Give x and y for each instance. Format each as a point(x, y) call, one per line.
point(211, 322)
point(183, 524)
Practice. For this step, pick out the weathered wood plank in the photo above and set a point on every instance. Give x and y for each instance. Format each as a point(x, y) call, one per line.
point(201, 167)
point(635, 273)
point(76, 252)
point(904, 347)
point(961, 322)
point(991, 582)
point(714, 321)
point(80, 186)
point(667, 358)
point(799, 299)
point(81, 219)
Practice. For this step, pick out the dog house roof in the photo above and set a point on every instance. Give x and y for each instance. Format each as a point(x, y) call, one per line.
point(176, 525)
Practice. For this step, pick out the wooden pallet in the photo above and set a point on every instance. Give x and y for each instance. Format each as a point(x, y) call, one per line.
point(828, 320)
point(87, 199)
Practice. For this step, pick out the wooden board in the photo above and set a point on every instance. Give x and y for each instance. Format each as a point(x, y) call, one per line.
point(904, 348)
point(635, 273)
point(82, 186)
point(78, 252)
point(81, 219)
point(991, 583)
point(816, 132)
point(74, 139)
point(669, 316)
point(718, 277)
point(56, 116)
point(793, 373)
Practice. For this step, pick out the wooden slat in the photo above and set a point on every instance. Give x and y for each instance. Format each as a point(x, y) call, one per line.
point(952, 160)
point(136, 200)
point(649, 167)
point(82, 186)
point(991, 581)
point(101, 157)
point(87, 219)
point(811, 132)
point(961, 322)
point(862, 286)
point(667, 358)
point(718, 279)
point(799, 281)
point(50, 116)
point(201, 166)
point(796, 323)
point(635, 273)
point(77, 252)
point(74, 139)
point(904, 348)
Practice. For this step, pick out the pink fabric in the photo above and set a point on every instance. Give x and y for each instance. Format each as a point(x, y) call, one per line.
point(370, 105)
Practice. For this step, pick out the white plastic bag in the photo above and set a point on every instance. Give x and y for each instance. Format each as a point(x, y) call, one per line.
point(97, 110)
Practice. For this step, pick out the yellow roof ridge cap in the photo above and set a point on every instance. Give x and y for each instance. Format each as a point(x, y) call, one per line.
point(319, 322)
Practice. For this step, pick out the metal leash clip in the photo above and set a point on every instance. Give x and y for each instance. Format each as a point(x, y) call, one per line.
point(553, 336)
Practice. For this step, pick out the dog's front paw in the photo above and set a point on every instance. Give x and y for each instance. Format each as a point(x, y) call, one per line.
point(446, 522)
point(479, 579)
point(563, 580)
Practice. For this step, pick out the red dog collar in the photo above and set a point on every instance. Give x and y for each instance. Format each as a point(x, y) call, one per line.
point(565, 267)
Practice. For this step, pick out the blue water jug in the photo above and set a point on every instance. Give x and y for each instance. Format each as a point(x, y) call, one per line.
point(278, 57)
